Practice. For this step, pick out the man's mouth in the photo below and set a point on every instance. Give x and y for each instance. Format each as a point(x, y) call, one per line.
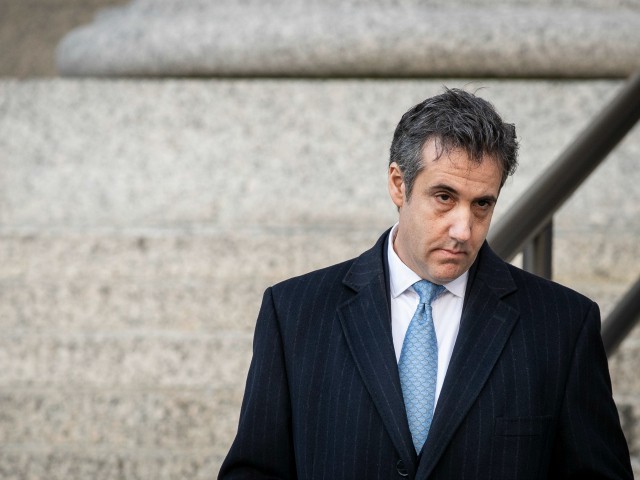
point(453, 251)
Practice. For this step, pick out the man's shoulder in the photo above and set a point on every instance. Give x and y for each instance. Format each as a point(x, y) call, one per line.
point(535, 286)
point(321, 279)
point(531, 288)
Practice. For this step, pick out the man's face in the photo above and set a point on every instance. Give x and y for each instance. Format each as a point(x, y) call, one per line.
point(445, 221)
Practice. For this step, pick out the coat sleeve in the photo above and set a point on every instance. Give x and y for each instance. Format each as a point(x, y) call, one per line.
point(590, 443)
point(263, 447)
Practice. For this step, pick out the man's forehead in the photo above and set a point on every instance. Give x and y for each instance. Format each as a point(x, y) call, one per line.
point(455, 169)
point(459, 159)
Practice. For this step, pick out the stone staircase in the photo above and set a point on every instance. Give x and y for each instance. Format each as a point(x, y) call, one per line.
point(141, 219)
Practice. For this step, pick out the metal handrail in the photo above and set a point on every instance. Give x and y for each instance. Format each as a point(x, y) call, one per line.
point(529, 215)
point(615, 328)
point(529, 220)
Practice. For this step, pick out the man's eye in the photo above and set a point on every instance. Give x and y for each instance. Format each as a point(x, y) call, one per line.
point(444, 197)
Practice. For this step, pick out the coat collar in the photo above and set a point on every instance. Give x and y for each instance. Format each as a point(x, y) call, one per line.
point(366, 322)
point(369, 266)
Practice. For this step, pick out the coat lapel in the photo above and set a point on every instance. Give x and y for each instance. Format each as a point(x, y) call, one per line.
point(366, 323)
point(485, 327)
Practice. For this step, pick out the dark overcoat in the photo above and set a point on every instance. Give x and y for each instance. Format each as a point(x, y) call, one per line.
point(527, 394)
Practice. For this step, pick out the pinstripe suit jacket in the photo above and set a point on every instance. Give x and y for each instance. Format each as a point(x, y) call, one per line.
point(527, 394)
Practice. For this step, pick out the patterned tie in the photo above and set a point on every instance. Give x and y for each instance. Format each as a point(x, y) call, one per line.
point(419, 364)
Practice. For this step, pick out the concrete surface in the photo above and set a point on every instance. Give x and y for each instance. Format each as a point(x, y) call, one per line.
point(509, 38)
point(140, 222)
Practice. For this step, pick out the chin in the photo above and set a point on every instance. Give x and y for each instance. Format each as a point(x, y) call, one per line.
point(446, 277)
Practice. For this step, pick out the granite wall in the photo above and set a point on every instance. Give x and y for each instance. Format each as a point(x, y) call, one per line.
point(140, 222)
point(379, 38)
point(141, 219)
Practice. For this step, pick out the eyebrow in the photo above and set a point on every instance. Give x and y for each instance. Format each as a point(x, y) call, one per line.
point(453, 191)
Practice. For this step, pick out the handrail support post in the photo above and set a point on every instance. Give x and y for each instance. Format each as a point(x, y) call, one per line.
point(537, 255)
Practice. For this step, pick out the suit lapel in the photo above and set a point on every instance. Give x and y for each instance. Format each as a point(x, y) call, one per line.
point(366, 323)
point(485, 327)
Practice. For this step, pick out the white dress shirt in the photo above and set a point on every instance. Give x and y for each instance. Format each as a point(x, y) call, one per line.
point(446, 309)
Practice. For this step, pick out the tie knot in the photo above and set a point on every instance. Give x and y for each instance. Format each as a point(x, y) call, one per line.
point(427, 291)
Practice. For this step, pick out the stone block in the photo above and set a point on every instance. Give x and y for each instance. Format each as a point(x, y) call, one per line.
point(126, 419)
point(276, 154)
point(598, 256)
point(199, 284)
point(141, 360)
point(56, 464)
point(83, 304)
point(208, 283)
point(383, 38)
point(221, 257)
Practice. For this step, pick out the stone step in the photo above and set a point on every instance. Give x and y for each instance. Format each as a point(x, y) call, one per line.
point(141, 221)
point(173, 418)
point(159, 393)
point(190, 284)
point(136, 360)
point(175, 258)
point(221, 154)
point(355, 38)
point(20, 463)
point(135, 418)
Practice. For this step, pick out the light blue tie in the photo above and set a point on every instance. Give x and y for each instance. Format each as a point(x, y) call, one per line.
point(419, 364)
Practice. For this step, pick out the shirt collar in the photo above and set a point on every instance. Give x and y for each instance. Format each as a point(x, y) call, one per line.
point(402, 277)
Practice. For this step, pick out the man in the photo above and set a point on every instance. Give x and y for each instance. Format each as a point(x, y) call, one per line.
point(428, 357)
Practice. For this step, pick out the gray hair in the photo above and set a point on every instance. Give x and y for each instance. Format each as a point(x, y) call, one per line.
point(455, 120)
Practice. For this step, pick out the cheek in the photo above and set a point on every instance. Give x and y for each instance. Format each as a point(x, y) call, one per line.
point(477, 239)
point(481, 227)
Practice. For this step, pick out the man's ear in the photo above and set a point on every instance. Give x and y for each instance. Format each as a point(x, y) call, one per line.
point(396, 185)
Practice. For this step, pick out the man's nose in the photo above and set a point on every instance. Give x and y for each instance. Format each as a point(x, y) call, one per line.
point(460, 229)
